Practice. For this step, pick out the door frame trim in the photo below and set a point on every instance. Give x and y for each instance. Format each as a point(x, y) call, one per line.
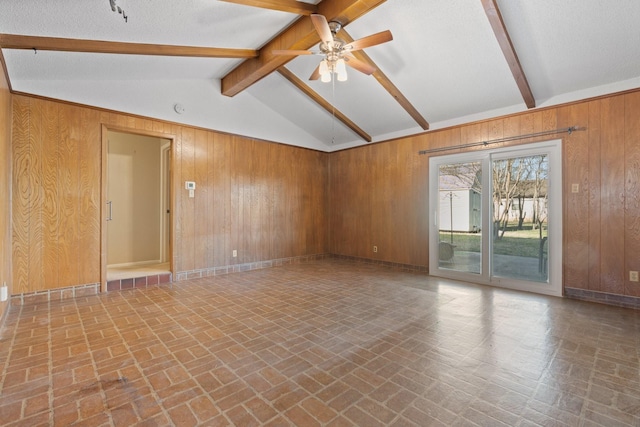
point(555, 285)
point(103, 192)
point(165, 168)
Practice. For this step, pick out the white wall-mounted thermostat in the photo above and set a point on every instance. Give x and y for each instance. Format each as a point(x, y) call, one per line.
point(191, 186)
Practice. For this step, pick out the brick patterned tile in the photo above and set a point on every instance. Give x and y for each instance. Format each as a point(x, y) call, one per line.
point(183, 416)
point(11, 411)
point(301, 418)
point(261, 409)
point(330, 342)
point(204, 408)
point(319, 410)
point(239, 416)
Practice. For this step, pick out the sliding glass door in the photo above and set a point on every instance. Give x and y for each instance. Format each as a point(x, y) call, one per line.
point(496, 217)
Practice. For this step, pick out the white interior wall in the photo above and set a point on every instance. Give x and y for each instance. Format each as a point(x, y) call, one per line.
point(134, 190)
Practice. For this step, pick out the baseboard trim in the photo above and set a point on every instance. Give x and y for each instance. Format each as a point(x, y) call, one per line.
point(57, 294)
point(603, 298)
point(394, 265)
point(238, 268)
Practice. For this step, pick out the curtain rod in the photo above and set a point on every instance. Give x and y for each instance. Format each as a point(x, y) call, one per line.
point(568, 130)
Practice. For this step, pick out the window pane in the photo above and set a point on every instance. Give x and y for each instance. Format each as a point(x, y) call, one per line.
point(520, 202)
point(460, 217)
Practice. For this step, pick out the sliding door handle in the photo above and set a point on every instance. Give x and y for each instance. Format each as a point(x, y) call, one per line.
point(110, 212)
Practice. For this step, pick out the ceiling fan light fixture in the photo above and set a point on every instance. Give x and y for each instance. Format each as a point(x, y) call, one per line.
point(341, 70)
point(325, 71)
point(324, 67)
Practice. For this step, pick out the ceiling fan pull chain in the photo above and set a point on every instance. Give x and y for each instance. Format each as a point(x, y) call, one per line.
point(333, 111)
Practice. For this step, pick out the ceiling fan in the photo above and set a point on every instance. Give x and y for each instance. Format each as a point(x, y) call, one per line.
point(337, 53)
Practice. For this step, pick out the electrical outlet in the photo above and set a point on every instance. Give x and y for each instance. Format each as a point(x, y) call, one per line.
point(235, 253)
point(633, 276)
point(575, 188)
point(375, 249)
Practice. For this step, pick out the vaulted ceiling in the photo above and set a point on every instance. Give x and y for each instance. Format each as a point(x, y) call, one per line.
point(450, 61)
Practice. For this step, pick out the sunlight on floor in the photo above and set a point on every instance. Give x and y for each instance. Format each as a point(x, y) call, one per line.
point(117, 273)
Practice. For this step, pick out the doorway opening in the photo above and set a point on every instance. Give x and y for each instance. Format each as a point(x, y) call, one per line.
point(137, 226)
point(496, 217)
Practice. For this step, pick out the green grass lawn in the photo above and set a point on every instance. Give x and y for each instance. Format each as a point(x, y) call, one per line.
point(524, 243)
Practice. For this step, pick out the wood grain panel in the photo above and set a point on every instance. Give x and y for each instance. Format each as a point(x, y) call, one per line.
point(495, 130)
point(594, 186)
point(220, 184)
point(319, 186)
point(279, 209)
point(245, 163)
point(527, 126)
point(202, 214)
point(20, 194)
point(237, 201)
point(186, 213)
point(51, 206)
point(178, 193)
point(550, 119)
point(69, 181)
point(474, 133)
point(288, 200)
point(511, 127)
point(576, 205)
point(36, 197)
point(612, 195)
point(382, 178)
point(90, 203)
point(632, 191)
point(257, 216)
point(211, 202)
point(358, 173)
point(417, 205)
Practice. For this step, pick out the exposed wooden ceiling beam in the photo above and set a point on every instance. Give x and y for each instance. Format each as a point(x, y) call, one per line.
point(500, 30)
point(387, 83)
point(292, 6)
point(6, 71)
point(300, 35)
point(13, 41)
point(322, 102)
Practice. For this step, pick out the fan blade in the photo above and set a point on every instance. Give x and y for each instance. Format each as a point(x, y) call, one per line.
point(291, 52)
point(372, 40)
point(316, 73)
point(361, 66)
point(322, 27)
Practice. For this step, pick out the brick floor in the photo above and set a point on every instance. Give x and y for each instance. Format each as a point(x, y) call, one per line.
point(325, 343)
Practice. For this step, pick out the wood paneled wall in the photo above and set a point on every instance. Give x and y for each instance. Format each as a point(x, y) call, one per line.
point(265, 200)
point(379, 193)
point(5, 189)
point(271, 201)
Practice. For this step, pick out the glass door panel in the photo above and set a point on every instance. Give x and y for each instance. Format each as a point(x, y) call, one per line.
point(460, 217)
point(519, 218)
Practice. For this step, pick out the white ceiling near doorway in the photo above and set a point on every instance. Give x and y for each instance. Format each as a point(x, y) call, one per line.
point(444, 59)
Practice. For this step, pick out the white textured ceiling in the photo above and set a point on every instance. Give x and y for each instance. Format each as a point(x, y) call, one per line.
point(444, 58)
